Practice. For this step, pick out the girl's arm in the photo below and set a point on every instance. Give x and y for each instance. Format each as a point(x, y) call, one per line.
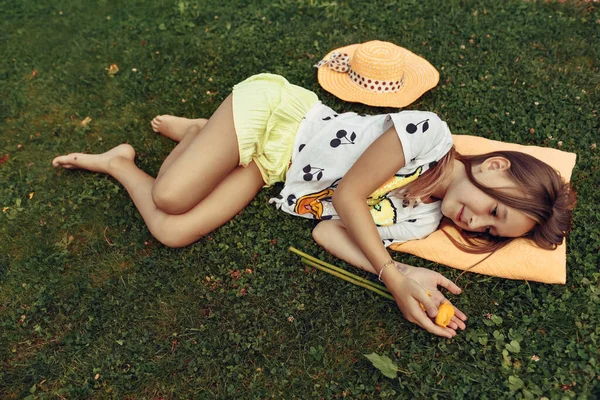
point(332, 235)
point(382, 159)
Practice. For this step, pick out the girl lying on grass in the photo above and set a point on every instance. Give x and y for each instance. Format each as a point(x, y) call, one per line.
point(337, 169)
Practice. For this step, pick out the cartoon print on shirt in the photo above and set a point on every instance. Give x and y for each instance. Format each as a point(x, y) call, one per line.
point(312, 203)
point(384, 213)
point(382, 209)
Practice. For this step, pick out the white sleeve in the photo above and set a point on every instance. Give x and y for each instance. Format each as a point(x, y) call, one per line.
point(425, 137)
point(411, 228)
point(397, 233)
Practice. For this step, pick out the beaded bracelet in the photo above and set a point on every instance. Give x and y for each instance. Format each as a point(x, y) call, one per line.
point(383, 267)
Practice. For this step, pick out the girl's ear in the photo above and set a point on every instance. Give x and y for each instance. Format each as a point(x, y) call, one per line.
point(496, 163)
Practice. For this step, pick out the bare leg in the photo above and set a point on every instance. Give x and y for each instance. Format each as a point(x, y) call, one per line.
point(180, 130)
point(200, 186)
point(190, 134)
point(228, 198)
point(94, 162)
point(201, 164)
point(173, 127)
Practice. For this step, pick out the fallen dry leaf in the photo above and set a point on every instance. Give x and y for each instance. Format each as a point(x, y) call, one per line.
point(85, 122)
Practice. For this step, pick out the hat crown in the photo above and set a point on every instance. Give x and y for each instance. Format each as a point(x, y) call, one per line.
point(379, 60)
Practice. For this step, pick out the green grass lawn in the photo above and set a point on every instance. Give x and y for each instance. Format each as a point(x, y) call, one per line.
point(91, 306)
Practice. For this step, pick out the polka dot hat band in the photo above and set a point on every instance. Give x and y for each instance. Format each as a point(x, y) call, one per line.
point(377, 74)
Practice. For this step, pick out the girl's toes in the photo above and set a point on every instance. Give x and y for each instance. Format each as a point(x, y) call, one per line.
point(156, 122)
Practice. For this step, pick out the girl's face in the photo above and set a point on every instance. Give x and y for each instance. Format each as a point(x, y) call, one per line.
point(473, 210)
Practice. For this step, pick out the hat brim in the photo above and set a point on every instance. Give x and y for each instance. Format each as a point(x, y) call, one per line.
point(419, 77)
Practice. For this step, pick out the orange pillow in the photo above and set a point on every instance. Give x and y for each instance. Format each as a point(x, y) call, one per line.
point(520, 259)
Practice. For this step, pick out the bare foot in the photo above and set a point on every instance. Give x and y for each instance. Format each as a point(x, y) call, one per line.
point(94, 162)
point(175, 127)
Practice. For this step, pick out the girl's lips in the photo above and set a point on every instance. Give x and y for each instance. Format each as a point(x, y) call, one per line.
point(460, 213)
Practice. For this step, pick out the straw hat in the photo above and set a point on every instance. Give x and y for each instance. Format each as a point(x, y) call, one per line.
point(376, 73)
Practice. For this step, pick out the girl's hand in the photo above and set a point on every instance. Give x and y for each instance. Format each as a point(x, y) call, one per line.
point(411, 286)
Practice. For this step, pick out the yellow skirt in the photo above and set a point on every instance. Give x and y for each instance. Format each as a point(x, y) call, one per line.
point(267, 111)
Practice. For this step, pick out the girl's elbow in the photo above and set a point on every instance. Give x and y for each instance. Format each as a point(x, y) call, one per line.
point(334, 200)
point(339, 197)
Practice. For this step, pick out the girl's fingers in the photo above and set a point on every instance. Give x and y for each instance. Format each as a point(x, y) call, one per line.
point(459, 314)
point(430, 305)
point(457, 323)
point(422, 319)
point(438, 298)
point(448, 284)
point(424, 322)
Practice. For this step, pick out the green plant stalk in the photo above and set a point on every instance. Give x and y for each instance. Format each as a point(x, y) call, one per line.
point(347, 278)
point(338, 269)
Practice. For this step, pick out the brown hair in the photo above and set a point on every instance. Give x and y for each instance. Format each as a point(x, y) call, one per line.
point(547, 199)
point(425, 185)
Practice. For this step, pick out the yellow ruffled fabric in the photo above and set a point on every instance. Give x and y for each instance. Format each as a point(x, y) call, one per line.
point(267, 111)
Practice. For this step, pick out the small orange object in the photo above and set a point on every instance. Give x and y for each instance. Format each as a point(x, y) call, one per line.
point(112, 70)
point(445, 314)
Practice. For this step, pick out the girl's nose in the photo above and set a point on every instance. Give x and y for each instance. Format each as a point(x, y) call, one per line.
point(477, 222)
point(474, 222)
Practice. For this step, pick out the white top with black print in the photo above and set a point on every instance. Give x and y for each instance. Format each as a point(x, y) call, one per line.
point(328, 144)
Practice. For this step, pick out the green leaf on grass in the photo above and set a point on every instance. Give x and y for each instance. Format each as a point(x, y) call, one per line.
point(513, 346)
point(514, 383)
point(384, 364)
point(317, 352)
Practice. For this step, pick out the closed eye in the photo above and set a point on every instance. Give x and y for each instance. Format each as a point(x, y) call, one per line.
point(494, 214)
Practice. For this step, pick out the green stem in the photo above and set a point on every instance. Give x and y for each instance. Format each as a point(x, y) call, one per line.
point(347, 278)
point(338, 269)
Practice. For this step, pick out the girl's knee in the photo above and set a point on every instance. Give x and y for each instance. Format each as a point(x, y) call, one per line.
point(171, 235)
point(320, 231)
point(166, 199)
point(159, 195)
